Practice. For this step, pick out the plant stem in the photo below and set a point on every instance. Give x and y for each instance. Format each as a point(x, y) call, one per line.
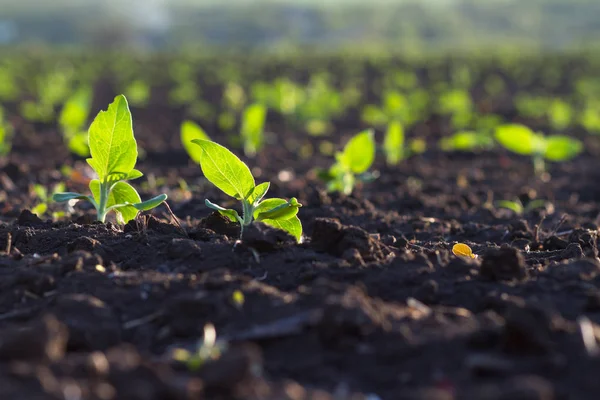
point(103, 201)
point(539, 166)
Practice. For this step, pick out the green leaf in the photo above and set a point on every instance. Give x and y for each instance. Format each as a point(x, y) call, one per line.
point(257, 194)
point(228, 213)
point(76, 111)
point(359, 152)
point(123, 193)
point(112, 145)
point(225, 170)
point(190, 131)
point(134, 174)
point(517, 207)
point(252, 131)
point(562, 148)
point(519, 139)
point(40, 209)
point(293, 226)
point(66, 196)
point(78, 144)
point(393, 143)
point(151, 203)
point(276, 209)
point(41, 192)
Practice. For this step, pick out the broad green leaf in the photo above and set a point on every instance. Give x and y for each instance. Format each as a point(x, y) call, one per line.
point(393, 143)
point(228, 213)
point(359, 152)
point(151, 203)
point(190, 131)
point(225, 170)
point(112, 145)
point(519, 139)
point(252, 131)
point(123, 193)
point(293, 226)
point(277, 209)
point(66, 196)
point(511, 205)
point(257, 194)
point(562, 148)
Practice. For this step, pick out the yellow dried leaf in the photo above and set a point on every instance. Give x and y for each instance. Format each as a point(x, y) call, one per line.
point(461, 249)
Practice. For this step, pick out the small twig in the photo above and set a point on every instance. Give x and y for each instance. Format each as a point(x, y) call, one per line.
point(175, 219)
point(537, 228)
point(558, 224)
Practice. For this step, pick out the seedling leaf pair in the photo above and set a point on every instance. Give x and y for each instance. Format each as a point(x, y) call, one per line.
point(522, 140)
point(114, 153)
point(232, 176)
point(355, 159)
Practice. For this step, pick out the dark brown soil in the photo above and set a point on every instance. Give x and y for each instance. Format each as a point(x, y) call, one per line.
point(371, 305)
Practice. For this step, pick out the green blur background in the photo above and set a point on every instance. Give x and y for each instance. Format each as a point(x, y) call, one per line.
point(401, 26)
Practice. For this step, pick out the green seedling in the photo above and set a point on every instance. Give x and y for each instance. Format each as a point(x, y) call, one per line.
point(351, 163)
point(253, 126)
point(522, 140)
point(191, 131)
point(394, 144)
point(45, 199)
point(208, 349)
point(228, 173)
point(72, 120)
point(467, 141)
point(517, 206)
point(114, 154)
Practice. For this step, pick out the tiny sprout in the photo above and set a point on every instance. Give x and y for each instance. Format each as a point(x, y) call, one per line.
point(462, 250)
point(208, 349)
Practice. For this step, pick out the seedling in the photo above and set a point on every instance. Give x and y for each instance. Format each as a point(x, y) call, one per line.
point(467, 141)
point(462, 250)
point(518, 207)
point(351, 163)
point(522, 140)
point(72, 119)
point(43, 196)
point(191, 131)
point(253, 125)
point(208, 349)
point(228, 173)
point(114, 154)
point(394, 145)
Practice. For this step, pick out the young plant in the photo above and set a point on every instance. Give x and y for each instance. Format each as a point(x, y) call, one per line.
point(190, 131)
point(228, 173)
point(72, 120)
point(394, 144)
point(522, 140)
point(351, 163)
point(45, 199)
point(467, 141)
point(114, 154)
point(253, 125)
point(517, 205)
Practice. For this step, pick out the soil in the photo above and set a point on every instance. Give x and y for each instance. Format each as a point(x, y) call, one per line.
point(371, 305)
